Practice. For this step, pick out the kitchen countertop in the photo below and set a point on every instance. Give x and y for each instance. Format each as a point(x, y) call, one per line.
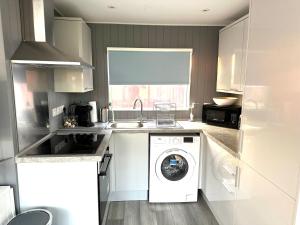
point(227, 138)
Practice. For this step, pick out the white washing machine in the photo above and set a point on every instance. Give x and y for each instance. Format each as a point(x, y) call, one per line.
point(174, 167)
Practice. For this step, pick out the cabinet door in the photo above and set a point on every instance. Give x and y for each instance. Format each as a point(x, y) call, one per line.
point(73, 80)
point(73, 36)
point(219, 181)
point(86, 44)
point(231, 55)
point(271, 121)
point(68, 189)
point(245, 52)
point(88, 79)
point(259, 202)
point(66, 36)
point(131, 161)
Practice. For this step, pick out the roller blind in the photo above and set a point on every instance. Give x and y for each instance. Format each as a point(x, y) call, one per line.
point(149, 66)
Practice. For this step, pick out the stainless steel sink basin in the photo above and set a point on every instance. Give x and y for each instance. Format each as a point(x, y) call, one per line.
point(126, 125)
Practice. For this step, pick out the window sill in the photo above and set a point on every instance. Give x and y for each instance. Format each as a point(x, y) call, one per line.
point(146, 110)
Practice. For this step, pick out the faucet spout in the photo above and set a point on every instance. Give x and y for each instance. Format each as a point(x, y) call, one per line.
point(141, 104)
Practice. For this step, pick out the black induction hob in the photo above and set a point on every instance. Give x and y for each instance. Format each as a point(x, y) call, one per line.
point(61, 144)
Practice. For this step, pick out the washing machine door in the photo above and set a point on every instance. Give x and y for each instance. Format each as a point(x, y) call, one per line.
point(175, 165)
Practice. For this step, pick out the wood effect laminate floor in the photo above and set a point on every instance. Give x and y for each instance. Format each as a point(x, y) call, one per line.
point(145, 213)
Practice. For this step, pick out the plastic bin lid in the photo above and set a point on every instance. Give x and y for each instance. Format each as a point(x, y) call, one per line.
point(32, 217)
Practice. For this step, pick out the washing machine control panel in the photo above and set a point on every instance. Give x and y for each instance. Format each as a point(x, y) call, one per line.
point(174, 140)
point(188, 139)
point(180, 140)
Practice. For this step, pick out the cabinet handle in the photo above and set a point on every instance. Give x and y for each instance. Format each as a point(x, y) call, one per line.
point(237, 177)
point(233, 89)
point(229, 170)
point(103, 171)
point(228, 187)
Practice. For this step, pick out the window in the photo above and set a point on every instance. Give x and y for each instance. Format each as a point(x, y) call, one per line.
point(154, 75)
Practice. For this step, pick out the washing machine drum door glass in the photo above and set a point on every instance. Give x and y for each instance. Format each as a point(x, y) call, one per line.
point(174, 167)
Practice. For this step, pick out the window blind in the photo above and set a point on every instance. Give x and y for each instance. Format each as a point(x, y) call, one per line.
point(149, 66)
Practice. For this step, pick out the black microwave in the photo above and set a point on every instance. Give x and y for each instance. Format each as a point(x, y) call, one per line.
point(224, 116)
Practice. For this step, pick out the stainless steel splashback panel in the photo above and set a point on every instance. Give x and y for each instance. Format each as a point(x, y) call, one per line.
point(31, 86)
point(6, 138)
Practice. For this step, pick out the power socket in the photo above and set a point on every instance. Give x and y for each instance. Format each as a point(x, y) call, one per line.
point(54, 112)
point(57, 110)
point(60, 109)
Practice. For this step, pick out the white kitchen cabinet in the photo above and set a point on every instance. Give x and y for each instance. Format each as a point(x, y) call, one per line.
point(260, 202)
point(130, 166)
point(7, 204)
point(238, 195)
point(68, 189)
point(219, 181)
point(232, 56)
point(73, 80)
point(73, 37)
point(271, 121)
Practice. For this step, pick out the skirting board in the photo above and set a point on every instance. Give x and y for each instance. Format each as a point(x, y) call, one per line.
point(128, 196)
point(200, 193)
point(106, 213)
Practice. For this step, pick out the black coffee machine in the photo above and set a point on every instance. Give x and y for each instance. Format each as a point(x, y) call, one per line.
point(82, 112)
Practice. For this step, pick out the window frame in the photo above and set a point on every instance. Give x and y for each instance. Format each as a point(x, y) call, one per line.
point(190, 50)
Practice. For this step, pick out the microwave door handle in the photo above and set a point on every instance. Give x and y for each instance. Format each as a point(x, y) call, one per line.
point(217, 120)
point(103, 172)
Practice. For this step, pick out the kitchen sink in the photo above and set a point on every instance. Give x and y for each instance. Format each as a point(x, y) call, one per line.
point(130, 124)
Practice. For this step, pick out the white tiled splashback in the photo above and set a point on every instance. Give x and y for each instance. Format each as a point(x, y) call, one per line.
point(7, 204)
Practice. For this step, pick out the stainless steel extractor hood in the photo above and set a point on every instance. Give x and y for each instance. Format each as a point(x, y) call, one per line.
point(36, 48)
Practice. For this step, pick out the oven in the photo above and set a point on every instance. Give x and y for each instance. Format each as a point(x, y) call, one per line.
point(104, 186)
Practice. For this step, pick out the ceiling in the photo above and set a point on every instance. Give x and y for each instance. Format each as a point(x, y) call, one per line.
point(158, 12)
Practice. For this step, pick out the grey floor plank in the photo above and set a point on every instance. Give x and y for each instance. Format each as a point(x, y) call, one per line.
point(116, 213)
point(145, 213)
point(200, 215)
point(132, 213)
point(163, 214)
point(182, 215)
point(206, 213)
point(148, 213)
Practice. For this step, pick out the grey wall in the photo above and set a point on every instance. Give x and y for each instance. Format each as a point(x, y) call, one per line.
point(203, 40)
point(10, 37)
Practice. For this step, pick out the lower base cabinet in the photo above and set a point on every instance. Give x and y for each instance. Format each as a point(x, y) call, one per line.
point(260, 202)
point(68, 189)
point(238, 195)
point(219, 180)
point(129, 166)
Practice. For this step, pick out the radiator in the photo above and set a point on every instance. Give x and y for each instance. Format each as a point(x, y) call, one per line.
point(7, 204)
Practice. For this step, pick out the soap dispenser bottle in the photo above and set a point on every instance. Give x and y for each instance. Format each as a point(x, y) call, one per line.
point(191, 111)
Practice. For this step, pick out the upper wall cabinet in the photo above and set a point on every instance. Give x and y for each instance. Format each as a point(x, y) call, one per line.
point(232, 56)
point(73, 36)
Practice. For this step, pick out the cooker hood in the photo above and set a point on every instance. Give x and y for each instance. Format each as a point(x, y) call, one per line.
point(36, 49)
